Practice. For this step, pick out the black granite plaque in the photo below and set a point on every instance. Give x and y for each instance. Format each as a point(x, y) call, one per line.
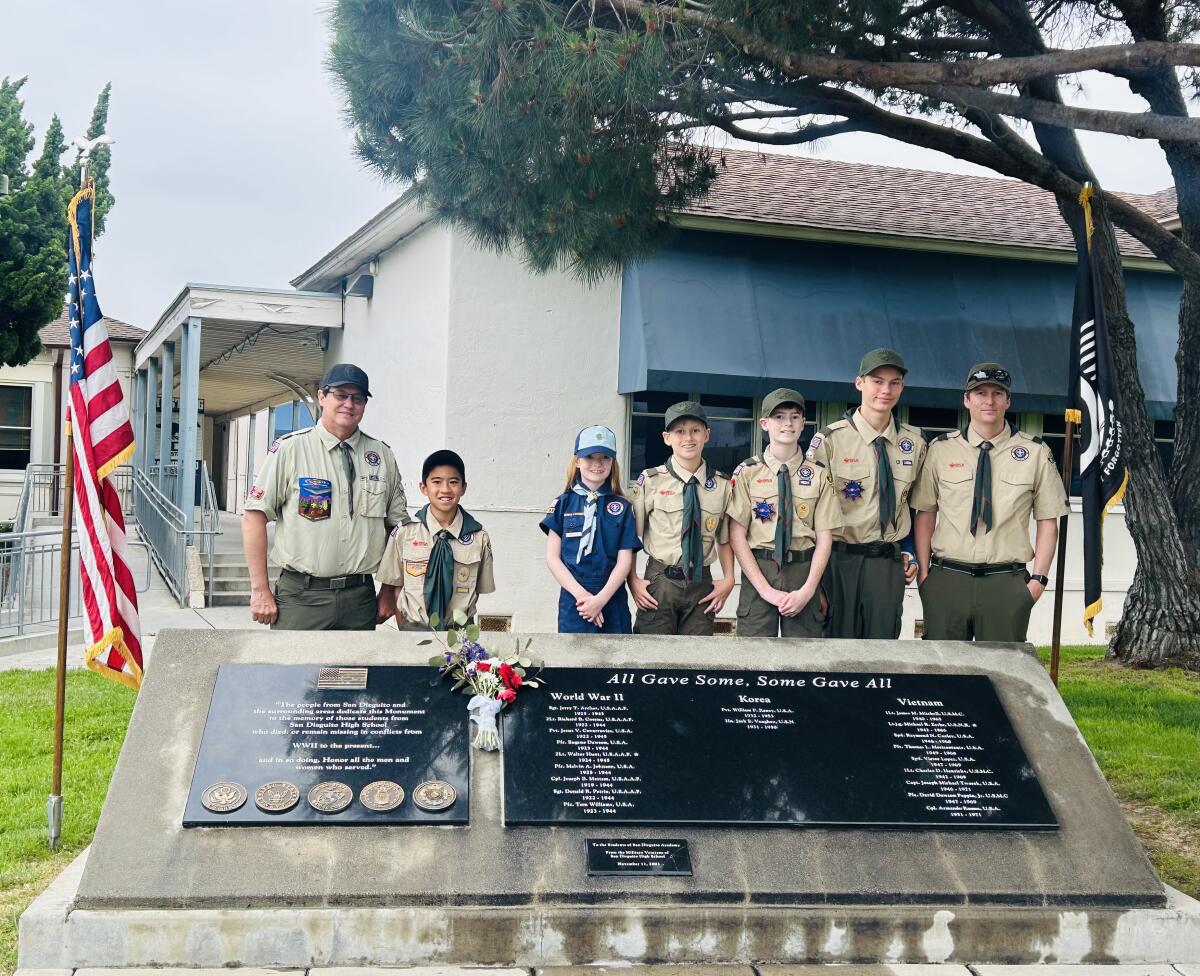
point(308, 725)
point(786, 748)
point(642, 857)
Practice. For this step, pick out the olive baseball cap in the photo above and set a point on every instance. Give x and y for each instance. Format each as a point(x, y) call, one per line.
point(778, 398)
point(881, 357)
point(982, 373)
point(681, 411)
point(346, 374)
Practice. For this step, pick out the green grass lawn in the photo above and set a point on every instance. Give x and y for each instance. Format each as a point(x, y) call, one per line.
point(1142, 726)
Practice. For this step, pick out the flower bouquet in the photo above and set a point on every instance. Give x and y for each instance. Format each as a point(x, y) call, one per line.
point(492, 681)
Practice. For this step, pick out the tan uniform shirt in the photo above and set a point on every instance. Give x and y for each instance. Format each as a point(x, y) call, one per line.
point(658, 512)
point(846, 449)
point(406, 560)
point(1025, 480)
point(756, 485)
point(302, 487)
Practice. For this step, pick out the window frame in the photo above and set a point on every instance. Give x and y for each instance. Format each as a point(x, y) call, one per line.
point(28, 387)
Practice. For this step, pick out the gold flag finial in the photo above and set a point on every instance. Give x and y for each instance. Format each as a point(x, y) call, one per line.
point(1085, 201)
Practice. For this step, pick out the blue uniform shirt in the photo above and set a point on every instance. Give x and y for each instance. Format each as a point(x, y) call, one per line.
point(615, 530)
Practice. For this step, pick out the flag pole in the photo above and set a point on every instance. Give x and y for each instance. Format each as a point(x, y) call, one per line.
point(1061, 563)
point(54, 805)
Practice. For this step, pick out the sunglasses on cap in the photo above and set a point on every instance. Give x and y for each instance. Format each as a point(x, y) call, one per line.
point(997, 375)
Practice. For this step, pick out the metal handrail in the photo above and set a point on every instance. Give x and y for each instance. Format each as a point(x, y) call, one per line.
point(162, 524)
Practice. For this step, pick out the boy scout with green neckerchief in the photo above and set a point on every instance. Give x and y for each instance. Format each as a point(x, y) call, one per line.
point(781, 520)
point(872, 461)
point(679, 510)
point(974, 499)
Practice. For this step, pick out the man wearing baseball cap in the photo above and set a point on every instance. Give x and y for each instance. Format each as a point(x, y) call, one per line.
point(334, 493)
point(973, 499)
point(872, 461)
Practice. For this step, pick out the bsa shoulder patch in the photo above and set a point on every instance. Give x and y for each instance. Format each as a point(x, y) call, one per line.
point(256, 492)
point(641, 478)
point(273, 446)
point(372, 458)
point(466, 538)
point(1020, 453)
point(551, 507)
point(614, 507)
point(738, 469)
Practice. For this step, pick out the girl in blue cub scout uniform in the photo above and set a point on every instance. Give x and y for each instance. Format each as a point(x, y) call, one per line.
point(591, 539)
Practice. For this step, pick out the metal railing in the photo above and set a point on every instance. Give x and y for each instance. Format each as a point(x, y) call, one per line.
point(161, 523)
point(42, 493)
point(30, 566)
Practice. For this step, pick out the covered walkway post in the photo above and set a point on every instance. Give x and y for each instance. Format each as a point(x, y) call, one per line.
point(189, 414)
point(168, 398)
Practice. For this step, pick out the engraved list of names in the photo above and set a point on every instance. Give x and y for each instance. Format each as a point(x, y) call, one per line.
point(675, 747)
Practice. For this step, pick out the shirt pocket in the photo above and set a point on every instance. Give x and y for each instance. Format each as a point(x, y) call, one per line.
point(854, 482)
point(416, 563)
point(1015, 483)
point(467, 562)
point(372, 498)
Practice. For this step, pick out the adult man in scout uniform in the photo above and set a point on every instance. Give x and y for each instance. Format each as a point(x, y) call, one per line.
point(334, 493)
point(872, 461)
point(973, 500)
point(782, 514)
point(679, 510)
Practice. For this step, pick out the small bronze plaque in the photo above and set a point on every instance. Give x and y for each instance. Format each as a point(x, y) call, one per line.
point(434, 794)
point(223, 797)
point(382, 795)
point(277, 797)
point(330, 796)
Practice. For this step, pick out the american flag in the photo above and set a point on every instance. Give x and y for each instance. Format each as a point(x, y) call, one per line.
point(102, 440)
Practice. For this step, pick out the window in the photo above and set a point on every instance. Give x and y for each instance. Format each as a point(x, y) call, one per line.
point(732, 422)
point(646, 447)
point(1054, 433)
point(1164, 442)
point(16, 426)
point(933, 420)
point(291, 416)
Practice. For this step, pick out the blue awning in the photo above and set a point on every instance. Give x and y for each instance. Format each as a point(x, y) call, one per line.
point(739, 315)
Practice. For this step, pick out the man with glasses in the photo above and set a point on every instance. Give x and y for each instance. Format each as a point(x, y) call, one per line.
point(973, 499)
point(334, 493)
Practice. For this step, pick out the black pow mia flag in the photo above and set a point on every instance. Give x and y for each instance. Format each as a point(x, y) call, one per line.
point(1095, 405)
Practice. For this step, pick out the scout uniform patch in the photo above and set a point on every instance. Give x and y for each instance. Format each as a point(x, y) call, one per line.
point(315, 497)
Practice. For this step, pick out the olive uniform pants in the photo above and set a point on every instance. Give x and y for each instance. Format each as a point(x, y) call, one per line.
point(958, 606)
point(305, 606)
point(678, 610)
point(866, 595)
point(758, 618)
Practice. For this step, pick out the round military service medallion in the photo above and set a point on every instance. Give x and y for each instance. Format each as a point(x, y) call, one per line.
point(330, 797)
point(614, 508)
point(223, 797)
point(277, 797)
point(1020, 453)
point(382, 795)
point(434, 795)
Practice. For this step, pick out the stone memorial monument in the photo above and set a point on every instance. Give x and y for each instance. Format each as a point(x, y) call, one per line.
point(297, 799)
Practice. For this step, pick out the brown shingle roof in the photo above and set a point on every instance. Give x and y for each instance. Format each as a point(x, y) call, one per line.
point(824, 193)
point(58, 332)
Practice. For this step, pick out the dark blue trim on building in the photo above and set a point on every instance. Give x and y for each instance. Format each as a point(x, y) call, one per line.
point(738, 315)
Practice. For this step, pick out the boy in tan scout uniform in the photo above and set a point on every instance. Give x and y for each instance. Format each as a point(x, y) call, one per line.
point(973, 500)
point(781, 520)
point(872, 461)
point(442, 561)
point(679, 510)
point(334, 493)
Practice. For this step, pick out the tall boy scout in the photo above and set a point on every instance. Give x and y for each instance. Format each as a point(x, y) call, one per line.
point(781, 518)
point(679, 510)
point(973, 500)
point(441, 561)
point(334, 492)
point(872, 461)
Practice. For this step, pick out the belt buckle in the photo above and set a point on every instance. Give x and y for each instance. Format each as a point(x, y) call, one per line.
point(338, 582)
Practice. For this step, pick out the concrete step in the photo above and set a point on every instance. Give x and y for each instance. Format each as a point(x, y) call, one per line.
point(230, 598)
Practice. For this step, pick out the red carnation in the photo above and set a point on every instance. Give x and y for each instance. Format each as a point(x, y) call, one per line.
point(507, 695)
point(483, 666)
point(510, 677)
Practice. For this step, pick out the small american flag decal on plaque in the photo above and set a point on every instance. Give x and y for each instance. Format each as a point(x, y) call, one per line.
point(352, 679)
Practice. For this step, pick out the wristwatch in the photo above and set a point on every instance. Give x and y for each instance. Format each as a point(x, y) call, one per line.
point(1038, 578)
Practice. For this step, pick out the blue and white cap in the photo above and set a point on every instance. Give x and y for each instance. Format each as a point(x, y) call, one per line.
point(596, 439)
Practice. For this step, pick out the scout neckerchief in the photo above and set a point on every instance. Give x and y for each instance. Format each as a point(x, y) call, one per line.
point(783, 522)
point(588, 536)
point(439, 574)
point(692, 539)
point(981, 504)
point(887, 485)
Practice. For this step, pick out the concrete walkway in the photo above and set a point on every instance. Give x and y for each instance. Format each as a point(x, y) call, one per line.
point(758, 969)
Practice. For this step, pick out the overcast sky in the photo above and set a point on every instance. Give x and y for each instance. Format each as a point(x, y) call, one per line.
point(233, 164)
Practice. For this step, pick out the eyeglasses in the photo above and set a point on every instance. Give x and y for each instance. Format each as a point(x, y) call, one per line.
point(357, 399)
point(1000, 376)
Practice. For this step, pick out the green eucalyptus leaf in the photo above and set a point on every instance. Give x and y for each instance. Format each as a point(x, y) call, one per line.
point(452, 637)
point(460, 618)
point(458, 684)
point(473, 632)
point(422, 643)
point(437, 660)
point(524, 662)
point(434, 620)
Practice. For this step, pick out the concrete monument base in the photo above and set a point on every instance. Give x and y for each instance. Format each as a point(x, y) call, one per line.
point(150, 892)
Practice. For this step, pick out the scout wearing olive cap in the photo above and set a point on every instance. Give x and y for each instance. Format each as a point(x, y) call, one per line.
point(973, 499)
point(680, 517)
point(871, 460)
point(780, 506)
point(334, 493)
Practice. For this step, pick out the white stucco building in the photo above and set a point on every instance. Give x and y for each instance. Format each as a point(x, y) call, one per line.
point(784, 276)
